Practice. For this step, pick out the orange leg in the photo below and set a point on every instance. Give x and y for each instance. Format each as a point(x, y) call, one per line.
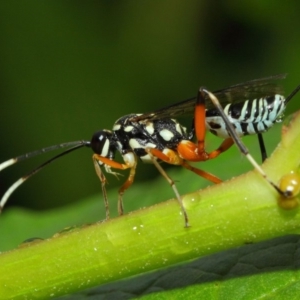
point(130, 162)
point(202, 173)
point(124, 187)
point(171, 157)
point(196, 152)
point(199, 125)
point(226, 144)
point(111, 163)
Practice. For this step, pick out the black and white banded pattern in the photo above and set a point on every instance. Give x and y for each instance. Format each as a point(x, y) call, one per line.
point(243, 109)
point(249, 117)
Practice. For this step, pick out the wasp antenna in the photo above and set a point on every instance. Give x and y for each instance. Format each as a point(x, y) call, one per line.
point(13, 187)
point(280, 76)
point(22, 157)
point(292, 94)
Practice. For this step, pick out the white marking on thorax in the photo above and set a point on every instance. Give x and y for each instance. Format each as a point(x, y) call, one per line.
point(166, 134)
point(178, 128)
point(128, 128)
point(116, 127)
point(149, 128)
point(134, 144)
point(150, 145)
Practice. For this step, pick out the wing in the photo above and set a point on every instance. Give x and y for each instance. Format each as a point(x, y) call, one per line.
point(249, 90)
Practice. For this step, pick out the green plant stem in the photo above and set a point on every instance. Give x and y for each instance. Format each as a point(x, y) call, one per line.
point(241, 210)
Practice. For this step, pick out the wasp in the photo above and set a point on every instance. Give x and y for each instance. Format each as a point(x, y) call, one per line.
point(244, 109)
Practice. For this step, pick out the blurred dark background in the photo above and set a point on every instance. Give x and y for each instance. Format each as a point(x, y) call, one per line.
point(70, 68)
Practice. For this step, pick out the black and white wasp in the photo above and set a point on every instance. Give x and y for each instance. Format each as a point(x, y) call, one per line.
point(243, 109)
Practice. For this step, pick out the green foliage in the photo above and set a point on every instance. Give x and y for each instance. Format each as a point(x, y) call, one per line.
point(261, 271)
point(69, 68)
point(241, 211)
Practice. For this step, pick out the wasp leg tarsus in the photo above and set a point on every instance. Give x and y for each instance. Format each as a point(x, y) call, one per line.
point(130, 162)
point(103, 181)
point(171, 158)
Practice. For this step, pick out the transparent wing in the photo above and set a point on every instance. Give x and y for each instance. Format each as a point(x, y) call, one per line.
point(257, 88)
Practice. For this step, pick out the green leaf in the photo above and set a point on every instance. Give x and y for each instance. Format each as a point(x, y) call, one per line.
point(259, 271)
point(241, 211)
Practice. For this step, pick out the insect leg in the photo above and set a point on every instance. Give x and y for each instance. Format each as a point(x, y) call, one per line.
point(173, 158)
point(103, 181)
point(154, 154)
point(262, 147)
point(199, 125)
point(190, 151)
point(124, 187)
point(290, 183)
point(130, 162)
point(238, 141)
point(200, 131)
point(226, 144)
point(172, 184)
point(202, 173)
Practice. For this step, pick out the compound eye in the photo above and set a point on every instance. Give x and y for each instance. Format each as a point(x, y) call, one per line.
point(100, 143)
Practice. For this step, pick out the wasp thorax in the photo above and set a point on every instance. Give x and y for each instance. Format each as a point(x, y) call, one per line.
point(101, 142)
